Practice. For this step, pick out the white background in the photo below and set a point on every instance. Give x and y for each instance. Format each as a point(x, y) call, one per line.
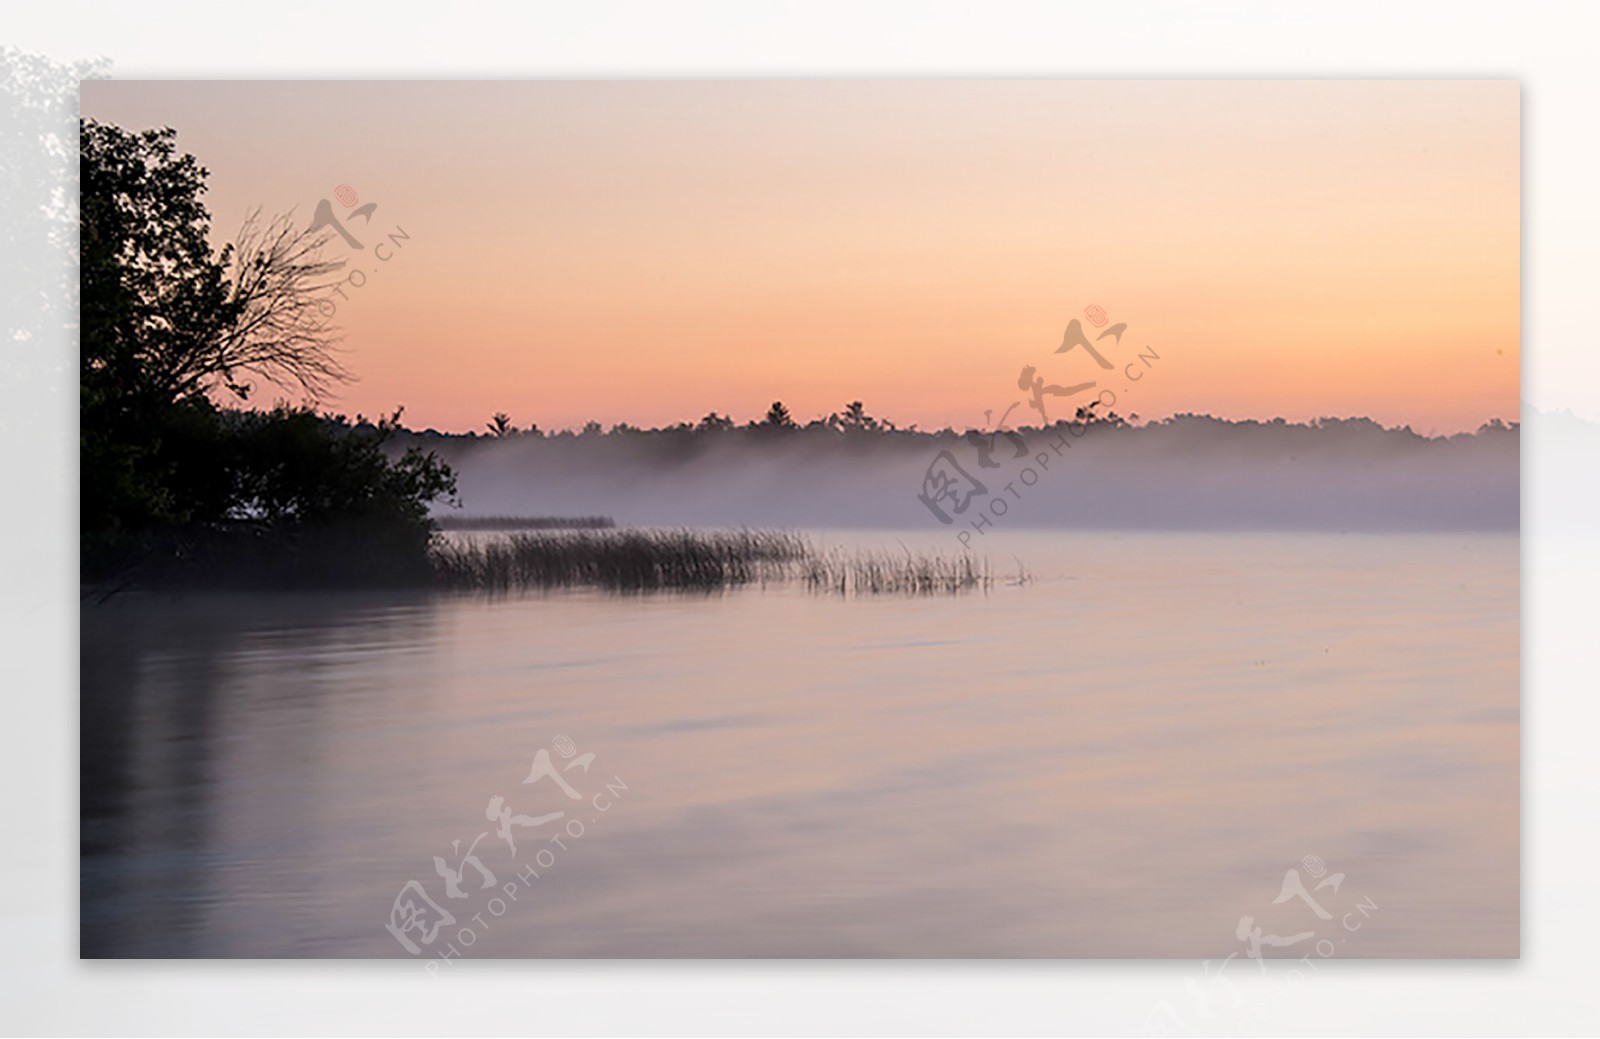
point(1550, 48)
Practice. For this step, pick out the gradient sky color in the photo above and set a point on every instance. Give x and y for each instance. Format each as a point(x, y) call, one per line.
point(649, 251)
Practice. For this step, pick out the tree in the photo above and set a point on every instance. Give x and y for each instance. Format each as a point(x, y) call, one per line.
point(164, 319)
point(500, 425)
point(168, 326)
point(713, 421)
point(297, 467)
point(778, 417)
point(280, 329)
point(1087, 416)
point(856, 419)
point(150, 287)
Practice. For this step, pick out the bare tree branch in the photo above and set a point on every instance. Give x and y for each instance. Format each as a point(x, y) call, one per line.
point(282, 329)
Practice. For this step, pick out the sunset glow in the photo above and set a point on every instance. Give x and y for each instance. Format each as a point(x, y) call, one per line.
point(648, 252)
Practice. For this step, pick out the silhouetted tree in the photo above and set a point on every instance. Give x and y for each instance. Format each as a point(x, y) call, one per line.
point(1088, 416)
point(713, 421)
point(855, 419)
point(166, 325)
point(162, 318)
point(500, 425)
point(778, 417)
point(280, 330)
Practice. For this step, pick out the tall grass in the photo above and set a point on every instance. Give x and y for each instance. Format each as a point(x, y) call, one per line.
point(627, 560)
point(877, 573)
point(653, 560)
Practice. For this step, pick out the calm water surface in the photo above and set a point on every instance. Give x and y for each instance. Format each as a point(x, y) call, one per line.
point(1122, 757)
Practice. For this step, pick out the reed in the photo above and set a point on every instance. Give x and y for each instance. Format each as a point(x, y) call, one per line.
point(626, 560)
point(653, 560)
point(880, 573)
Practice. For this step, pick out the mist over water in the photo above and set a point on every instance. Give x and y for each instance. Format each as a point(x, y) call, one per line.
point(1189, 473)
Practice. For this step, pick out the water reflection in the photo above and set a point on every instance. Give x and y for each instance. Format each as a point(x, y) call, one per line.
point(1119, 759)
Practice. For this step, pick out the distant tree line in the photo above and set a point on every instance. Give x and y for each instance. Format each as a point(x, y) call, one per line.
point(853, 418)
point(854, 422)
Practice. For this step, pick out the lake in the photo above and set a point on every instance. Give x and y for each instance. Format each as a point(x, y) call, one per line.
point(1120, 756)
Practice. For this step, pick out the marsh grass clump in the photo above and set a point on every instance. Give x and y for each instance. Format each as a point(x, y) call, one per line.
point(627, 560)
point(882, 573)
point(658, 560)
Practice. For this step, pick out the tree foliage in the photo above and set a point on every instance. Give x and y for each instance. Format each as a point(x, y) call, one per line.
point(169, 327)
point(163, 319)
point(778, 417)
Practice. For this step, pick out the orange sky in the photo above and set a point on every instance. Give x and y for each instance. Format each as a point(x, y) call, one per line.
point(651, 251)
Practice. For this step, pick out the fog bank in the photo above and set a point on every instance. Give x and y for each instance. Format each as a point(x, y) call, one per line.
point(1185, 473)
